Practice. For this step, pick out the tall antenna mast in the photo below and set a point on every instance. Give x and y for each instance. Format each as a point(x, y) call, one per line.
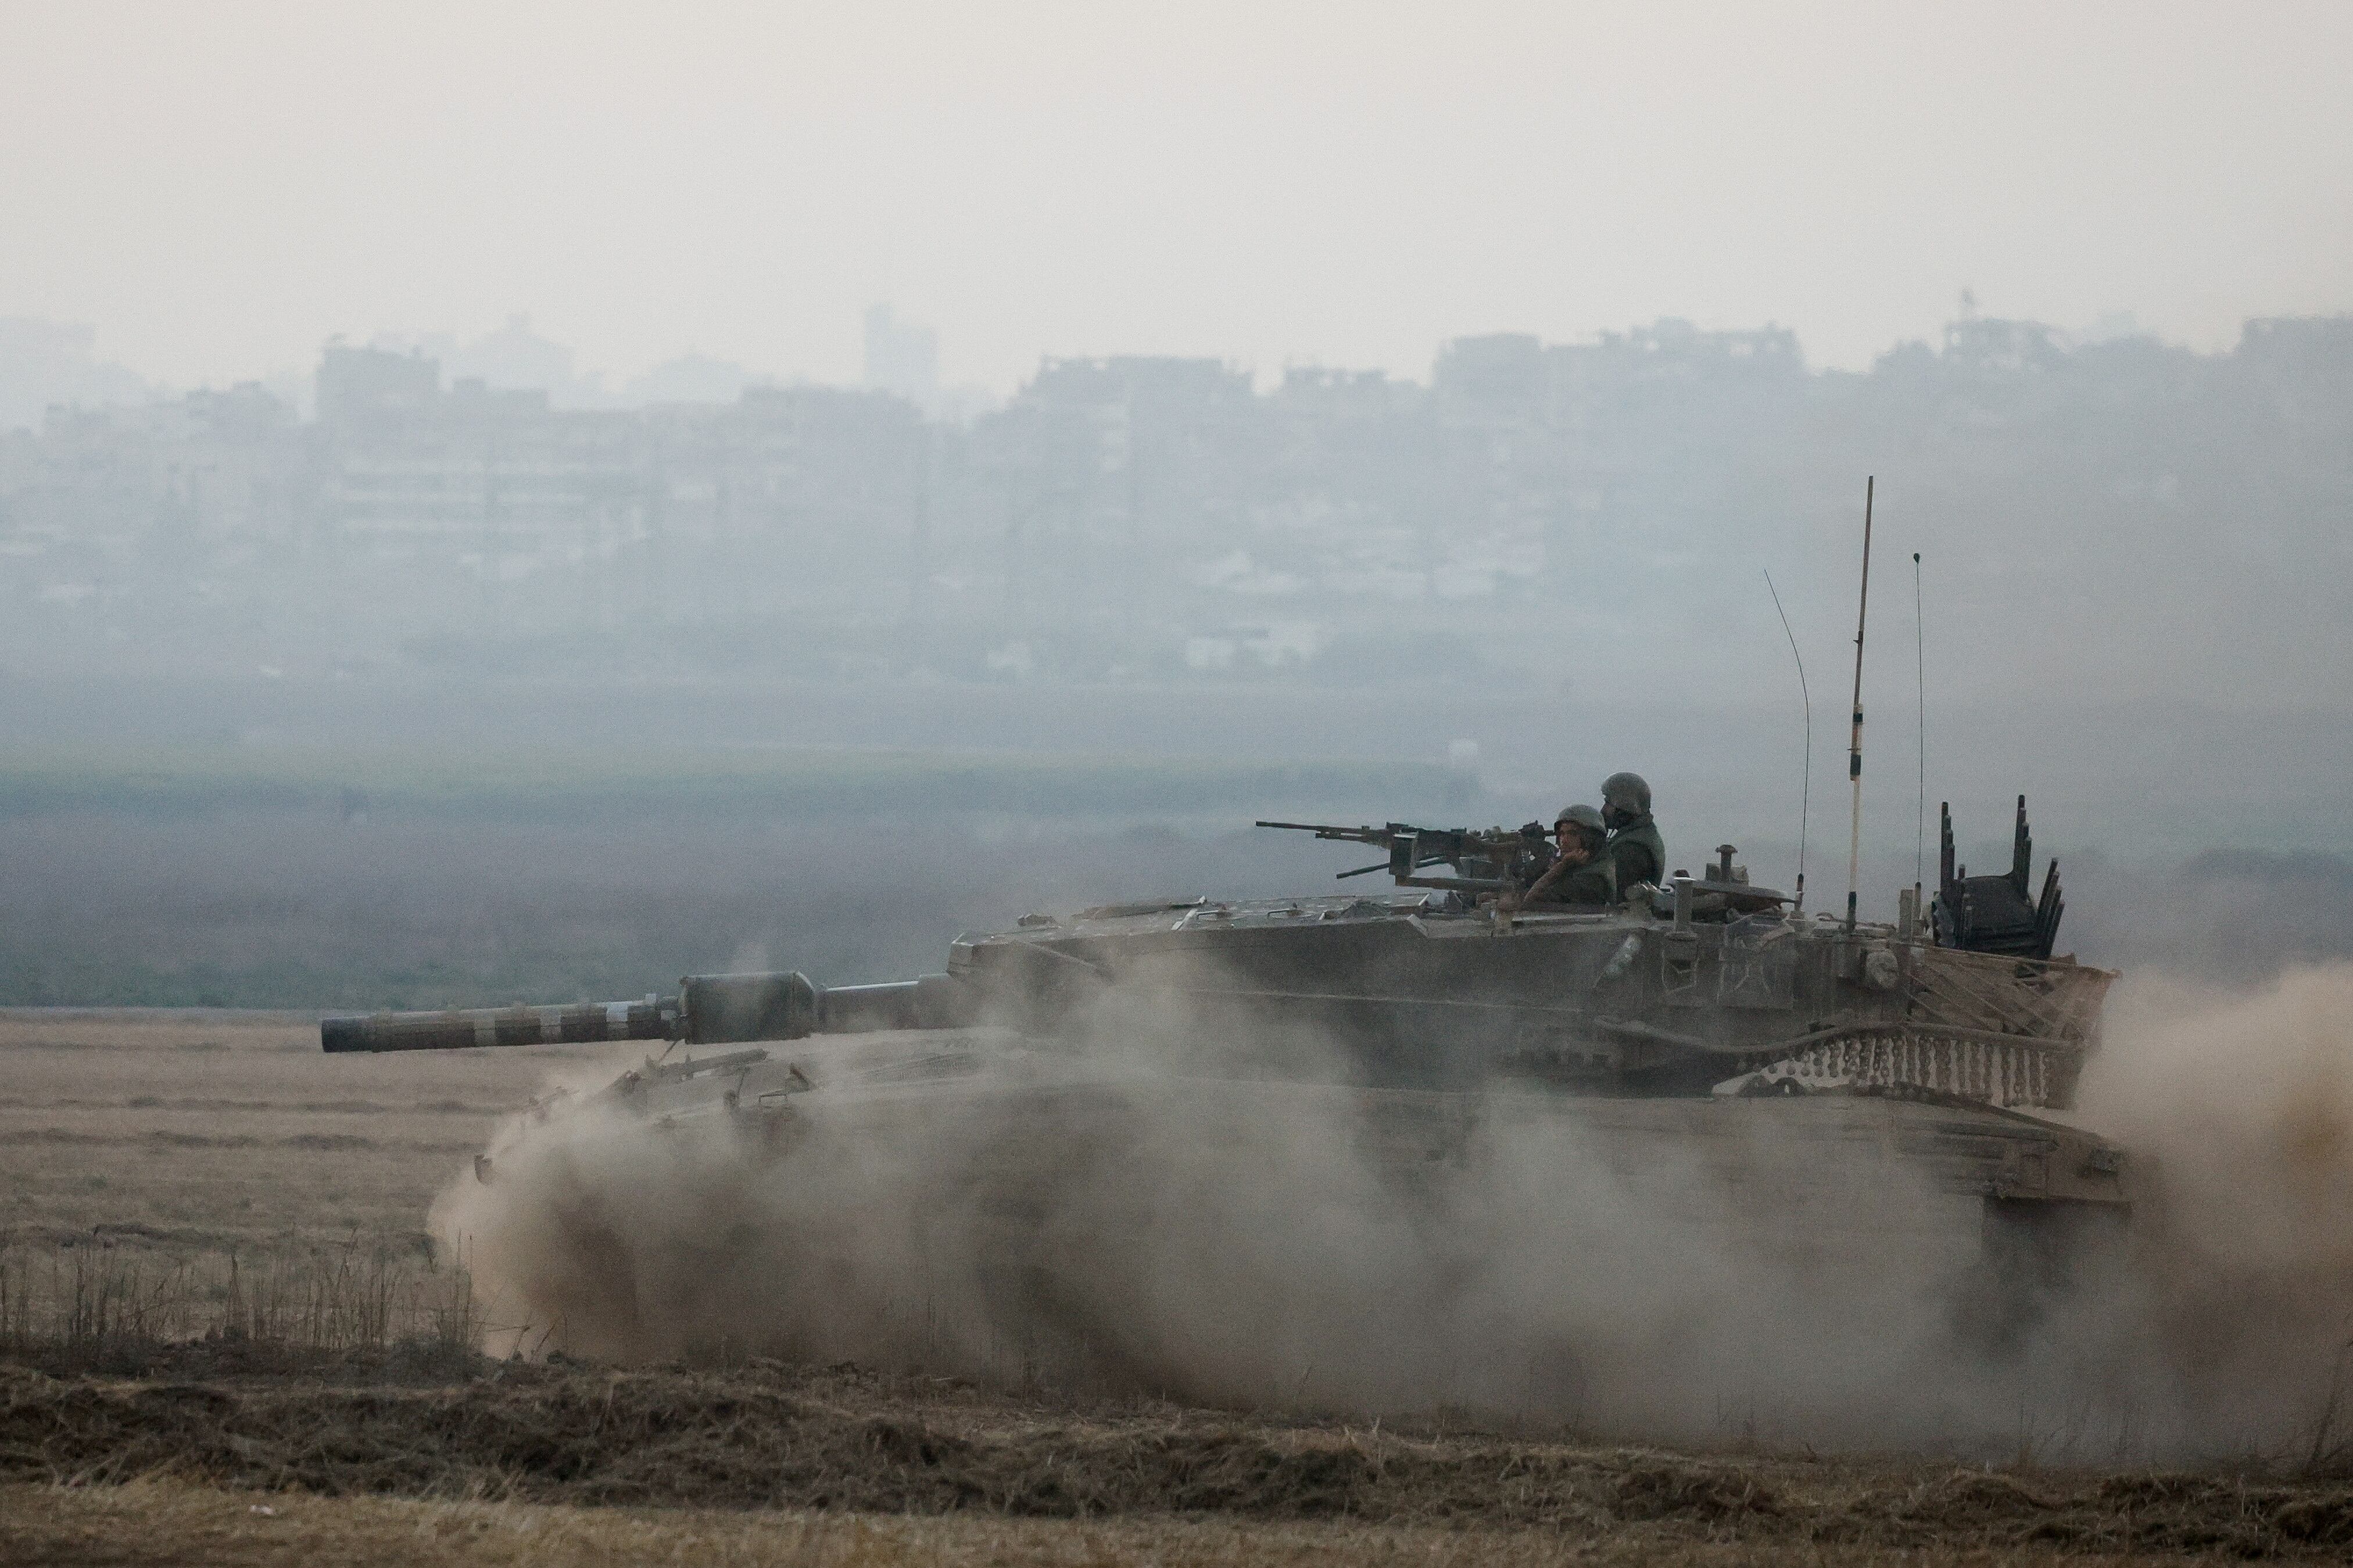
point(1805, 789)
point(1920, 817)
point(1854, 736)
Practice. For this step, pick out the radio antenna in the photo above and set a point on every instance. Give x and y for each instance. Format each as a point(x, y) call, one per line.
point(1854, 736)
point(1805, 789)
point(1920, 817)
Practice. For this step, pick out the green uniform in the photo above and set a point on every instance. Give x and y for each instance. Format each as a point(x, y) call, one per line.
point(1638, 853)
point(1595, 883)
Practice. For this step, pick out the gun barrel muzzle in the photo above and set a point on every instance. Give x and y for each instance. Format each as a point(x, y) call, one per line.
point(464, 1028)
point(710, 1009)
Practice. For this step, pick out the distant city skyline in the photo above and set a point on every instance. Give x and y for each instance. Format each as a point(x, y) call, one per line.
point(518, 353)
point(1135, 518)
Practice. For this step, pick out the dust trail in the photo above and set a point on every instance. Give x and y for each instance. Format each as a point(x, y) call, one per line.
point(1101, 1220)
point(2239, 1106)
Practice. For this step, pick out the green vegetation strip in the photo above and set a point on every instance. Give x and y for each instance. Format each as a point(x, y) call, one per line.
point(535, 783)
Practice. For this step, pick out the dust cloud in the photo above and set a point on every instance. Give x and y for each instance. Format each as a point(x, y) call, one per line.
point(1121, 1218)
point(2238, 1103)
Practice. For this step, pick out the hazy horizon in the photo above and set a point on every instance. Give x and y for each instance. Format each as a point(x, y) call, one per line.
point(1301, 184)
point(462, 354)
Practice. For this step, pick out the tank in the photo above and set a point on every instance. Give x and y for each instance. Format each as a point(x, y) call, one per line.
point(1801, 1056)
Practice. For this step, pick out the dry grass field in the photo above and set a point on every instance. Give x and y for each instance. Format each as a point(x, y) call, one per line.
point(167, 1174)
point(186, 1176)
point(190, 1132)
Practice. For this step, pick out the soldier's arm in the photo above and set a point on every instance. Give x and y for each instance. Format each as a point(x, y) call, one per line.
point(1551, 885)
point(1630, 861)
point(1591, 881)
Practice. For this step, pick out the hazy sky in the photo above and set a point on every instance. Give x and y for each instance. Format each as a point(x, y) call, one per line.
point(219, 187)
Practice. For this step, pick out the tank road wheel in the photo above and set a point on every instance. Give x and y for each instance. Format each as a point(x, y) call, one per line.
point(2039, 1255)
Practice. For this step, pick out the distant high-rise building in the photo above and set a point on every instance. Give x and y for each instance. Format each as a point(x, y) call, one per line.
point(361, 385)
point(516, 357)
point(901, 357)
point(47, 363)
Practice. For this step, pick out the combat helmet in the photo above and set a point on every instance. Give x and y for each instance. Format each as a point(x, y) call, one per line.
point(1625, 796)
point(1587, 819)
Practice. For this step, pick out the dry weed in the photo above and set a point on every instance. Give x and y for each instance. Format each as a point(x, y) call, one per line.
point(173, 1522)
point(770, 1438)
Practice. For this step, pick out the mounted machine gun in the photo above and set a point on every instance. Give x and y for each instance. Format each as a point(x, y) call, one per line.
point(1485, 860)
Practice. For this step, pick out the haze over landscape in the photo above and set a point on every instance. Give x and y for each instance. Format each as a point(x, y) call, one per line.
point(519, 502)
point(1309, 383)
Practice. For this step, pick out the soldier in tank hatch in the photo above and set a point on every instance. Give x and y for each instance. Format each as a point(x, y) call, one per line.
point(1581, 873)
point(1635, 852)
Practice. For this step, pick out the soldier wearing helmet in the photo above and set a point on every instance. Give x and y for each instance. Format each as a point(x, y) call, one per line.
point(1636, 853)
point(1581, 872)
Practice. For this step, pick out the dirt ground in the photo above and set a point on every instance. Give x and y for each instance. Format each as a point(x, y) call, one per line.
point(189, 1460)
point(165, 1522)
point(163, 1136)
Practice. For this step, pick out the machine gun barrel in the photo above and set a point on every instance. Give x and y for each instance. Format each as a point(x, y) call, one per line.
point(1346, 835)
point(1489, 860)
point(709, 1009)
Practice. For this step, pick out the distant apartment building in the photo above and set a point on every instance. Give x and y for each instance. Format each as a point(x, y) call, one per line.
point(493, 477)
point(210, 469)
point(901, 358)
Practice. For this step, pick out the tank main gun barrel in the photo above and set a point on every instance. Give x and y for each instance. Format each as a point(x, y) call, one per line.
point(709, 1009)
point(463, 1028)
